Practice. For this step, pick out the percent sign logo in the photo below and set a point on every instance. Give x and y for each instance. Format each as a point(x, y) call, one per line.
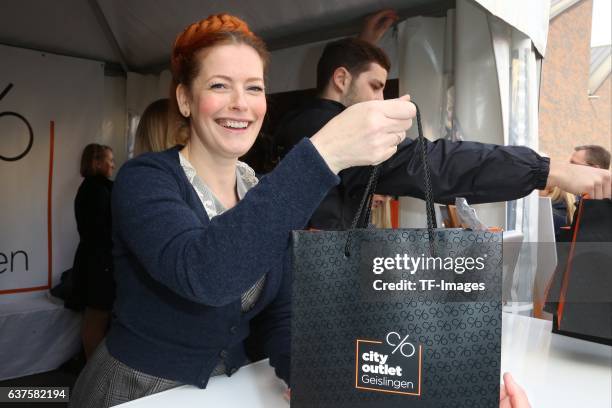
point(400, 344)
point(24, 120)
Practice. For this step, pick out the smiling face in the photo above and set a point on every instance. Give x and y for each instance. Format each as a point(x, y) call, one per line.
point(226, 102)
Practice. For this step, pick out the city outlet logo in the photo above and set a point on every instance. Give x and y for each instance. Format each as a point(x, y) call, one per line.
point(392, 366)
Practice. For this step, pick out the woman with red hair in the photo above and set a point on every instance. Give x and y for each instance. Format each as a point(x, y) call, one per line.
point(200, 245)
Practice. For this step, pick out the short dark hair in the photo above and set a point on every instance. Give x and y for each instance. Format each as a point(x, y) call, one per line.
point(92, 154)
point(596, 155)
point(351, 53)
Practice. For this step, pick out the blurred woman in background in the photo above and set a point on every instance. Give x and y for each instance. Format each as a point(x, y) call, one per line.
point(93, 264)
point(381, 211)
point(152, 132)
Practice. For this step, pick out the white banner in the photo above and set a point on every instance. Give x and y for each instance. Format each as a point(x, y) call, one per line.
point(38, 235)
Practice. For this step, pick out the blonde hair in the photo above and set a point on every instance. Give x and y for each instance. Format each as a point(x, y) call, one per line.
point(152, 132)
point(381, 215)
point(557, 196)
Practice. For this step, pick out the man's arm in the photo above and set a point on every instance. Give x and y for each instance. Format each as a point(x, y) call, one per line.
point(479, 172)
point(466, 169)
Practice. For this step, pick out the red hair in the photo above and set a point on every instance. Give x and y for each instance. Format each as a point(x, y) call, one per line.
point(217, 29)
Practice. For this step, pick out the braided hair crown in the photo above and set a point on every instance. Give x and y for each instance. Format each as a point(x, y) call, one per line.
point(213, 30)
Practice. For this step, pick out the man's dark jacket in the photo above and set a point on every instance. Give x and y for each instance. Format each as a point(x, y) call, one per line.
point(479, 172)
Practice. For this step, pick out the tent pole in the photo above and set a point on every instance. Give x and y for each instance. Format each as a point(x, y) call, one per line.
point(108, 32)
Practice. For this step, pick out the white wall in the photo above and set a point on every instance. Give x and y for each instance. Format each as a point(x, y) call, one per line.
point(141, 90)
point(114, 117)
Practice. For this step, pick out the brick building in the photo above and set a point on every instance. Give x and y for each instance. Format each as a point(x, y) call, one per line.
point(576, 85)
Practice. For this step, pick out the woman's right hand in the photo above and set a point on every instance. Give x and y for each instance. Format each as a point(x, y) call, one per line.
point(364, 134)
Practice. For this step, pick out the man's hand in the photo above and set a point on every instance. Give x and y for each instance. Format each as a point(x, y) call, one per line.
point(577, 179)
point(511, 395)
point(376, 25)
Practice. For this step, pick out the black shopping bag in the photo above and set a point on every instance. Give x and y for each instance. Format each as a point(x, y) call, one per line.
point(396, 318)
point(580, 293)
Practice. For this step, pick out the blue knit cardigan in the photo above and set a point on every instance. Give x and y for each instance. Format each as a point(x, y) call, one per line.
point(180, 275)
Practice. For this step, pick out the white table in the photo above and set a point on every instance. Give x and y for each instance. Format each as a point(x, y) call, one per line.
point(556, 371)
point(37, 334)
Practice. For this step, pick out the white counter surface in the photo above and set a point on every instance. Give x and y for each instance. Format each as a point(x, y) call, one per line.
point(556, 371)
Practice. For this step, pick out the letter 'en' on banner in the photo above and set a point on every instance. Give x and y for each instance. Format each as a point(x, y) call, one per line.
point(49, 221)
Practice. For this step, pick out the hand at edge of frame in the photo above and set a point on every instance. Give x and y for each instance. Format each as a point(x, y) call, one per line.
point(511, 395)
point(579, 179)
point(376, 25)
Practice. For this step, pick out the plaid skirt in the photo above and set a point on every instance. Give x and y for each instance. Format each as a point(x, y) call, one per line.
point(106, 382)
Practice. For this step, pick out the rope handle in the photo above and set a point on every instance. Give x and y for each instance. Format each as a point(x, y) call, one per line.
point(365, 206)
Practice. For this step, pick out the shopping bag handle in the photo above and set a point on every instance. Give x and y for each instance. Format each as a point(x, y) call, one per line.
point(362, 217)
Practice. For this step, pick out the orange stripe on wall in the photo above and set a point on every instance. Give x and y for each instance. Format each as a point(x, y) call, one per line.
point(34, 289)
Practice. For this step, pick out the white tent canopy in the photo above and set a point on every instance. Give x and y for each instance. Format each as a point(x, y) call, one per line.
point(138, 34)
